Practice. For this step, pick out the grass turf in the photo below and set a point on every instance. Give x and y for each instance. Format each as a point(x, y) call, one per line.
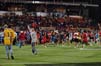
point(50, 55)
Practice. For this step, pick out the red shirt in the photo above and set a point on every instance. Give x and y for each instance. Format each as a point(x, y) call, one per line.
point(43, 39)
point(49, 34)
point(38, 35)
point(34, 25)
point(84, 37)
point(22, 36)
point(100, 33)
point(90, 35)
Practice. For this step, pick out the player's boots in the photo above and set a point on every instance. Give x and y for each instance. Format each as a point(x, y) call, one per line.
point(12, 57)
point(34, 51)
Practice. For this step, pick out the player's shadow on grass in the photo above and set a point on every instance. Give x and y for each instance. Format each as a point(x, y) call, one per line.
point(67, 64)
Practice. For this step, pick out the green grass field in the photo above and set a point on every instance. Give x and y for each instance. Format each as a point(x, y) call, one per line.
point(51, 55)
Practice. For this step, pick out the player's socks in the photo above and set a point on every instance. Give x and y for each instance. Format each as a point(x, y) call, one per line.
point(12, 57)
point(8, 58)
point(33, 51)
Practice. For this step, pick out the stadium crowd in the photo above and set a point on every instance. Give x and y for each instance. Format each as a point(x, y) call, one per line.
point(47, 21)
point(65, 30)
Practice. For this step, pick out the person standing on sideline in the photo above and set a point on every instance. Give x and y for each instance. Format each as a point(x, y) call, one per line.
point(33, 34)
point(9, 35)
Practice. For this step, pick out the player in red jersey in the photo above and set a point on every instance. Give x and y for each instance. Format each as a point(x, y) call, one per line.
point(84, 38)
point(100, 37)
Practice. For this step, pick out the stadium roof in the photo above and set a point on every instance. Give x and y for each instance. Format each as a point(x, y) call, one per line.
point(91, 3)
point(81, 1)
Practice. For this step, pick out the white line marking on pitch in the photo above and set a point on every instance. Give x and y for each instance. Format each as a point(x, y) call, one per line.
point(26, 63)
point(88, 49)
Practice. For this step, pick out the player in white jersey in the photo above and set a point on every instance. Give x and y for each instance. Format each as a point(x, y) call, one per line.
point(33, 39)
